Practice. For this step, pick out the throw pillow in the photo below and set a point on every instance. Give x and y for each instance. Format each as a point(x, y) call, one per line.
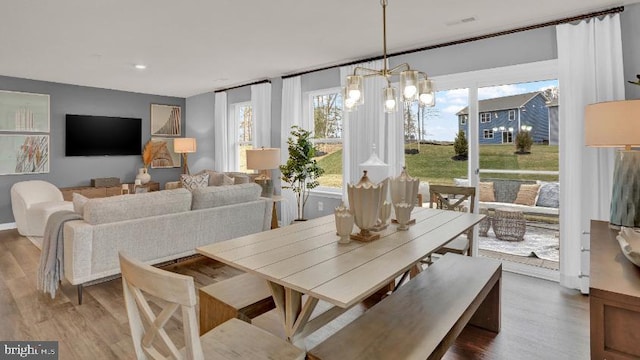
point(226, 180)
point(549, 195)
point(486, 192)
point(527, 194)
point(461, 182)
point(192, 182)
point(215, 178)
point(78, 203)
point(241, 179)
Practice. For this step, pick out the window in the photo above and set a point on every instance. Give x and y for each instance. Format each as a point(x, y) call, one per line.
point(488, 134)
point(242, 120)
point(485, 118)
point(463, 119)
point(512, 115)
point(325, 107)
point(507, 137)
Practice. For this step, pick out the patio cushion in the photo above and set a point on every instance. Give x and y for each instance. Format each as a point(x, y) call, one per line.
point(549, 195)
point(487, 191)
point(527, 194)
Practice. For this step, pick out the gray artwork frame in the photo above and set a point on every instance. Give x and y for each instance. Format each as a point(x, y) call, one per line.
point(24, 112)
point(24, 154)
point(166, 120)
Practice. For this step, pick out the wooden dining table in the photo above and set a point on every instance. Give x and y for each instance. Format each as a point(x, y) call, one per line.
point(306, 259)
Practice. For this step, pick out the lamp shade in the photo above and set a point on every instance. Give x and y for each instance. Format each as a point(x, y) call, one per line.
point(263, 159)
point(184, 145)
point(613, 124)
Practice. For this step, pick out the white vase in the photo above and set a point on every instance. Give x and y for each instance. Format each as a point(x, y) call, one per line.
point(143, 176)
point(344, 224)
point(403, 215)
point(365, 199)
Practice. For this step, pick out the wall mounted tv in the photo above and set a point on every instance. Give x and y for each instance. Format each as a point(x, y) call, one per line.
point(102, 135)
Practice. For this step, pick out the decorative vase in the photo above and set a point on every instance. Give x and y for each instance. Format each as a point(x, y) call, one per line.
point(404, 190)
point(365, 199)
point(383, 216)
point(344, 223)
point(143, 176)
point(403, 215)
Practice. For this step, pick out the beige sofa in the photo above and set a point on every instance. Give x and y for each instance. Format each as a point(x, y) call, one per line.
point(158, 226)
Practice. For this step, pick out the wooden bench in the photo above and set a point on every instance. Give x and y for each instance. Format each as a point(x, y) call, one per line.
point(244, 297)
point(425, 316)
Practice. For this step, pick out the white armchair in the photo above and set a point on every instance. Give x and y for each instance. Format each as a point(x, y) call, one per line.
point(32, 202)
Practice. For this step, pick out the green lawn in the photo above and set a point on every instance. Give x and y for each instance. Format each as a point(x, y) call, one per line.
point(434, 163)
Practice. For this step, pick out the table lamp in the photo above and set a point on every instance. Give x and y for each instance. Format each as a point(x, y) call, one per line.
point(184, 146)
point(617, 124)
point(264, 160)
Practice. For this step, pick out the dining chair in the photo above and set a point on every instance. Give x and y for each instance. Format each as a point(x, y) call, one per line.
point(234, 339)
point(456, 198)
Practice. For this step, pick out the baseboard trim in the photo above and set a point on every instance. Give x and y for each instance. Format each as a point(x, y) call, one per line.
point(7, 226)
point(530, 270)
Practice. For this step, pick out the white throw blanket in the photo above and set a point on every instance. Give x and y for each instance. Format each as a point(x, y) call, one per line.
point(52, 255)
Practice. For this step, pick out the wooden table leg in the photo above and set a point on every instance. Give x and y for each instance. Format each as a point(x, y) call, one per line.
point(274, 217)
point(293, 312)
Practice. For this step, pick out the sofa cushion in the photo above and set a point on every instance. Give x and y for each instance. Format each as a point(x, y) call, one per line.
point(214, 196)
point(487, 191)
point(549, 195)
point(527, 194)
point(192, 182)
point(79, 201)
point(128, 207)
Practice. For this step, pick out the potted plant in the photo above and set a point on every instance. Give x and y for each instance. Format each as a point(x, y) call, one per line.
point(301, 171)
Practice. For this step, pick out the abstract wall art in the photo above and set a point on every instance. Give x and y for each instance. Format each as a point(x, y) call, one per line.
point(24, 112)
point(24, 154)
point(166, 157)
point(166, 120)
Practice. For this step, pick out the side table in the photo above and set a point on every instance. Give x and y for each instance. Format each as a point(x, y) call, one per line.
point(485, 224)
point(274, 213)
point(509, 224)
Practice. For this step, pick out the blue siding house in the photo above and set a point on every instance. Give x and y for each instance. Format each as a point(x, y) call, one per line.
point(502, 118)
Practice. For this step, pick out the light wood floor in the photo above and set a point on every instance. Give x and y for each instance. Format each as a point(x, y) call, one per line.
point(540, 320)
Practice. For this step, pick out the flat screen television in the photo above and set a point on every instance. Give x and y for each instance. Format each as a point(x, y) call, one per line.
point(102, 135)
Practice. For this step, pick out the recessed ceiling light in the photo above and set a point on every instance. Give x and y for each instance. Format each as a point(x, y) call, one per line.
point(141, 66)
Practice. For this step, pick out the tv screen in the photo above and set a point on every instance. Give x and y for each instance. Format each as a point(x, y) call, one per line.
point(102, 135)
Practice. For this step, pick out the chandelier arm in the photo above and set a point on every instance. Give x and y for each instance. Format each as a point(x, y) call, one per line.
point(384, 37)
point(367, 71)
point(396, 70)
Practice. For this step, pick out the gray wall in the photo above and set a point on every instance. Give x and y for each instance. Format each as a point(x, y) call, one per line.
point(200, 126)
point(76, 171)
point(631, 48)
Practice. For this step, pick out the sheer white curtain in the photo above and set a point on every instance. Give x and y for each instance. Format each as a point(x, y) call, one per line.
point(220, 125)
point(590, 70)
point(261, 110)
point(291, 115)
point(364, 126)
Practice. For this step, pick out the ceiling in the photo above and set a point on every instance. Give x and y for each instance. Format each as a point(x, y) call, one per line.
point(195, 46)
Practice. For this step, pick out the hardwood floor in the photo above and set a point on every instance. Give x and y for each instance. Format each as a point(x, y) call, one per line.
point(540, 319)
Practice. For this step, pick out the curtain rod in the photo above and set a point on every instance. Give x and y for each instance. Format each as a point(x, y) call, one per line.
point(614, 10)
point(243, 85)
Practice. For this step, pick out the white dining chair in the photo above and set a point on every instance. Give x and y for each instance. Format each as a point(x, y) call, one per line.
point(233, 339)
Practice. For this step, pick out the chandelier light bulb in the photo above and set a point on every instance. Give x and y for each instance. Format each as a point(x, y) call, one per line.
point(410, 91)
point(389, 98)
point(354, 95)
point(426, 99)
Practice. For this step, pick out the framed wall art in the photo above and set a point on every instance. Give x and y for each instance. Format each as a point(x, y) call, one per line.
point(165, 157)
point(166, 120)
point(24, 154)
point(24, 112)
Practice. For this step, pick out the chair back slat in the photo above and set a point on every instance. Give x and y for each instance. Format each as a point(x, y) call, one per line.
point(177, 291)
point(442, 196)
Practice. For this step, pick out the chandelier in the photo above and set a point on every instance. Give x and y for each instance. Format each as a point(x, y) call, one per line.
point(415, 85)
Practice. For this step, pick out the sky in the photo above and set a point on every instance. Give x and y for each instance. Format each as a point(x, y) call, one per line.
point(443, 126)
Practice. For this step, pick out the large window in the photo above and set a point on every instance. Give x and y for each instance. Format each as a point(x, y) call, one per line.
point(325, 107)
point(242, 120)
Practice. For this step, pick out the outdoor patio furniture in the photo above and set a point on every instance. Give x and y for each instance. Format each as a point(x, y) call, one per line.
point(485, 224)
point(509, 224)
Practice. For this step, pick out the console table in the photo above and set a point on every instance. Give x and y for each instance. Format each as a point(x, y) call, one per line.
point(102, 191)
point(614, 298)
